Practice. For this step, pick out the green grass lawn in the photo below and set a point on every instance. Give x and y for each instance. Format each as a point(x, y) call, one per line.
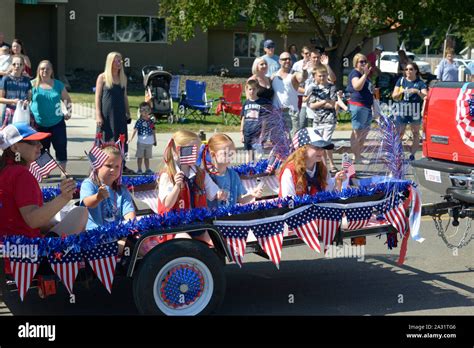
point(209, 124)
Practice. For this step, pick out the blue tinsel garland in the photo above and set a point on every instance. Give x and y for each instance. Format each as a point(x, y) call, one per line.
point(89, 239)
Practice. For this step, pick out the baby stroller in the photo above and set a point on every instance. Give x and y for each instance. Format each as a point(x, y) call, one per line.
point(157, 92)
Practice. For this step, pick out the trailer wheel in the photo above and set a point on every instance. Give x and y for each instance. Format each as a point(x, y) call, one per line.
point(179, 277)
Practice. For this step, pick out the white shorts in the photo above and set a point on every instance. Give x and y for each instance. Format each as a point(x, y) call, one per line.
point(326, 130)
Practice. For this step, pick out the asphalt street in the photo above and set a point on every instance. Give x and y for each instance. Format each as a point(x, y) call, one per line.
point(433, 281)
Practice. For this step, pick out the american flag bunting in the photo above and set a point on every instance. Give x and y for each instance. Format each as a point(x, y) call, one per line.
point(103, 260)
point(270, 238)
point(305, 226)
point(328, 222)
point(397, 218)
point(23, 270)
point(42, 166)
point(235, 236)
point(358, 217)
point(66, 266)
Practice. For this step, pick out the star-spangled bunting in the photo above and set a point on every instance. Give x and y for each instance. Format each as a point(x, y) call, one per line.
point(97, 157)
point(66, 266)
point(305, 226)
point(358, 217)
point(23, 272)
point(236, 239)
point(301, 138)
point(270, 238)
point(397, 218)
point(328, 222)
point(188, 155)
point(103, 260)
point(42, 166)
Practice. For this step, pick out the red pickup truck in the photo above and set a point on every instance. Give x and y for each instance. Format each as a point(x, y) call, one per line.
point(447, 166)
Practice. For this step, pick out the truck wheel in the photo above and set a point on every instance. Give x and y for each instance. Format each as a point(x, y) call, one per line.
point(179, 277)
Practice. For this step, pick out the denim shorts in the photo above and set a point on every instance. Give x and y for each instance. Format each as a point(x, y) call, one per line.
point(361, 116)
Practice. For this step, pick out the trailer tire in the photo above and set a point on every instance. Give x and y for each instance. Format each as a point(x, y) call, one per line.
point(179, 277)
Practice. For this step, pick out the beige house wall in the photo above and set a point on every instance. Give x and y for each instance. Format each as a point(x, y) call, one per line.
point(7, 19)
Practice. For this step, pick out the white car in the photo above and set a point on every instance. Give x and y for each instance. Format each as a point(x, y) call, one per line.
point(460, 62)
point(389, 62)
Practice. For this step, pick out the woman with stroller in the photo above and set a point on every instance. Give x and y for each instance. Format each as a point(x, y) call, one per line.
point(111, 101)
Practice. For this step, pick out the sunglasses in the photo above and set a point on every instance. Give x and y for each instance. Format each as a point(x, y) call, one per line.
point(362, 61)
point(284, 59)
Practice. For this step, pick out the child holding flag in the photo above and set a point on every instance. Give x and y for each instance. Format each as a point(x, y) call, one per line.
point(222, 150)
point(106, 199)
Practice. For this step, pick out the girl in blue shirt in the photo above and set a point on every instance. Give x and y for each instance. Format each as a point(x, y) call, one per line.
point(106, 200)
point(222, 151)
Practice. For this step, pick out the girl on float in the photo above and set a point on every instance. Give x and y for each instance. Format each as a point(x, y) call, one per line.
point(304, 171)
point(106, 199)
point(185, 186)
point(222, 151)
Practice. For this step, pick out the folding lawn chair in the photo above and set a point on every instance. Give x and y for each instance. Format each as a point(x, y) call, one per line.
point(174, 87)
point(231, 103)
point(194, 101)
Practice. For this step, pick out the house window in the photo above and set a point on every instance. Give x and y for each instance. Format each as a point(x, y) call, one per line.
point(131, 29)
point(248, 45)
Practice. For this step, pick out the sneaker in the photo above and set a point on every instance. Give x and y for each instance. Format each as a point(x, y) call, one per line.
point(139, 171)
point(149, 171)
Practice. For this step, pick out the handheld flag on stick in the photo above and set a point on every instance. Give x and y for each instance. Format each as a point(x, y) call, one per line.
point(43, 166)
point(96, 157)
point(348, 166)
point(188, 155)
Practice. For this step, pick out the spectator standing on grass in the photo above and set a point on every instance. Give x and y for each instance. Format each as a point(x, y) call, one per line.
point(270, 57)
point(298, 67)
point(264, 87)
point(111, 101)
point(14, 87)
point(448, 68)
point(47, 94)
point(18, 49)
point(411, 90)
point(360, 105)
point(286, 86)
point(145, 128)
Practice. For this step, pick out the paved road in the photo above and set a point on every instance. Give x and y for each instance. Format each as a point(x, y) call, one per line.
point(433, 281)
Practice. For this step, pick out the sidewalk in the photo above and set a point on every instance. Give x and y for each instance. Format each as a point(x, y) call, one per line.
point(81, 130)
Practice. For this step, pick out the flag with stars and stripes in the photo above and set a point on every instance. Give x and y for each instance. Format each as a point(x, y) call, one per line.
point(103, 260)
point(235, 236)
point(273, 163)
point(301, 138)
point(188, 155)
point(270, 238)
point(358, 217)
point(42, 166)
point(348, 166)
point(23, 269)
point(97, 157)
point(305, 226)
point(66, 266)
point(397, 218)
point(328, 222)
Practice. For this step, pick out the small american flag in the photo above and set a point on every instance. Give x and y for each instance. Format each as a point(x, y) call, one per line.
point(42, 166)
point(301, 138)
point(103, 260)
point(236, 239)
point(270, 238)
point(305, 227)
point(97, 157)
point(188, 155)
point(358, 217)
point(66, 266)
point(328, 223)
point(23, 270)
point(397, 218)
point(348, 166)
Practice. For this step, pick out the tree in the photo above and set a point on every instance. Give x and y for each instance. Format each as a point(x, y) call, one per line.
point(335, 22)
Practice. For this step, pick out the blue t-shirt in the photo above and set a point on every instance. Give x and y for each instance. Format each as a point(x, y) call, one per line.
point(448, 71)
point(410, 104)
point(114, 208)
point(145, 130)
point(231, 183)
point(364, 96)
point(251, 112)
point(15, 88)
point(46, 104)
point(273, 64)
